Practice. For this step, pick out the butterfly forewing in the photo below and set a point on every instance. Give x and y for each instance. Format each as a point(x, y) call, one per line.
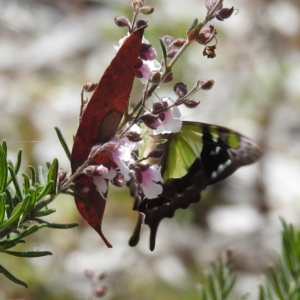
point(221, 151)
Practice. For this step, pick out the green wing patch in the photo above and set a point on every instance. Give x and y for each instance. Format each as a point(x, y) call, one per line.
point(184, 147)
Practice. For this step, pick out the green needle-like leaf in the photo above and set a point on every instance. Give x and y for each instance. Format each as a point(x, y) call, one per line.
point(3, 170)
point(43, 175)
point(56, 225)
point(31, 202)
point(4, 147)
point(2, 207)
point(45, 191)
point(18, 210)
point(164, 50)
point(63, 142)
point(33, 175)
point(16, 183)
point(12, 277)
point(46, 212)
point(26, 183)
point(52, 176)
point(276, 284)
point(19, 160)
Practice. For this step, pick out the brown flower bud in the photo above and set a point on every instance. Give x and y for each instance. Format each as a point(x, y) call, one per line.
point(118, 181)
point(168, 78)
point(172, 53)
point(178, 42)
point(91, 171)
point(205, 84)
point(206, 34)
point(133, 136)
point(150, 120)
point(158, 107)
point(62, 174)
point(209, 51)
point(147, 10)
point(142, 24)
point(137, 4)
point(180, 89)
point(155, 77)
point(89, 87)
point(224, 13)
point(122, 22)
point(192, 32)
point(191, 103)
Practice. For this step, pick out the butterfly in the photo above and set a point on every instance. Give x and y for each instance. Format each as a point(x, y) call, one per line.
point(197, 156)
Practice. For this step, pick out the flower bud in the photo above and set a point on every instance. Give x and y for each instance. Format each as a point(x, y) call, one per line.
point(141, 24)
point(172, 53)
point(62, 174)
point(158, 107)
point(193, 31)
point(209, 51)
point(150, 120)
point(122, 22)
point(191, 103)
point(137, 4)
point(119, 181)
point(168, 78)
point(133, 136)
point(224, 13)
point(206, 34)
point(89, 87)
point(147, 52)
point(95, 170)
point(147, 10)
point(205, 84)
point(155, 77)
point(178, 42)
point(180, 89)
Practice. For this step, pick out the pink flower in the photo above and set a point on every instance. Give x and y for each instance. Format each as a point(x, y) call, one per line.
point(170, 123)
point(100, 180)
point(150, 64)
point(148, 179)
point(122, 155)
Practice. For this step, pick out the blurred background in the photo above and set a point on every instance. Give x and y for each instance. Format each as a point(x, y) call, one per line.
point(49, 49)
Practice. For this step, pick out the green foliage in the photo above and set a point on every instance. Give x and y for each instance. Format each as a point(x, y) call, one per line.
point(284, 281)
point(219, 282)
point(22, 204)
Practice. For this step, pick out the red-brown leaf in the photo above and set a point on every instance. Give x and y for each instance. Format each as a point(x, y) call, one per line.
point(99, 123)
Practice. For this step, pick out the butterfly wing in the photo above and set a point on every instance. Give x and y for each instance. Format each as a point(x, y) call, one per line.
point(199, 155)
point(221, 150)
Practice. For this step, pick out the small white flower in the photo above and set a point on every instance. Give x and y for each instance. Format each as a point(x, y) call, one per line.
point(171, 122)
point(149, 184)
point(101, 181)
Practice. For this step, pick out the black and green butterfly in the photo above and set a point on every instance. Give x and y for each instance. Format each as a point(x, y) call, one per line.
point(197, 156)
